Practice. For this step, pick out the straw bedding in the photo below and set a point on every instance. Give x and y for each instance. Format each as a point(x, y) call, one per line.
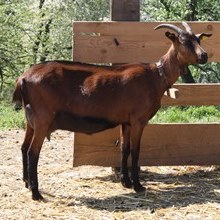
point(87, 192)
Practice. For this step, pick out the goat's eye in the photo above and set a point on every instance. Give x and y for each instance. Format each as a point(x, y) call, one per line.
point(198, 40)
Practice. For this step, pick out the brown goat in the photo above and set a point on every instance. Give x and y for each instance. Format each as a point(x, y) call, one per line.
point(89, 98)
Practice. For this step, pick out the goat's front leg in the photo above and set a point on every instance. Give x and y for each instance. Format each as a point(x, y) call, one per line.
point(125, 151)
point(136, 133)
point(24, 149)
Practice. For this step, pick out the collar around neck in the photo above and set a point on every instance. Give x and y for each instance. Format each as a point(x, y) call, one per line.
point(161, 71)
point(160, 68)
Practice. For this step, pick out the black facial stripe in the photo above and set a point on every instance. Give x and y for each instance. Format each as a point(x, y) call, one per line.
point(189, 41)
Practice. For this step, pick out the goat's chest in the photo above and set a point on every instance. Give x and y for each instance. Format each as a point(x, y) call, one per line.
point(147, 106)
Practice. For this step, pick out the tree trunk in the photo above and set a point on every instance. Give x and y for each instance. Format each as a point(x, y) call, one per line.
point(191, 16)
point(42, 36)
point(187, 77)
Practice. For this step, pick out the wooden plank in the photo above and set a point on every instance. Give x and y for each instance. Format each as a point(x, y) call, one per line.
point(172, 93)
point(161, 144)
point(94, 41)
point(103, 49)
point(95, 149)
point(125, 10)
point(146, 28)
point(194, 94)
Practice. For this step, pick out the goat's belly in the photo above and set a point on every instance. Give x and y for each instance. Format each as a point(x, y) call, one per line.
point(87, 125)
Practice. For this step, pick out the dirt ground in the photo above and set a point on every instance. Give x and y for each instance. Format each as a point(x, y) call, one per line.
point(93, 193)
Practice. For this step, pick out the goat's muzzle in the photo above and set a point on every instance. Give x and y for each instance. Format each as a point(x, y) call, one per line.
point(203, 58)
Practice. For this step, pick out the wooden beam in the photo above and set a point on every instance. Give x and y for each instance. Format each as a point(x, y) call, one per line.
point(194, 94)
point(95, 41)
point(125, 10)
point(172, 93)
point(161, 144)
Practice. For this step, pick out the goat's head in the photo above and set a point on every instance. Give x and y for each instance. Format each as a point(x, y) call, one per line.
point(186, 44)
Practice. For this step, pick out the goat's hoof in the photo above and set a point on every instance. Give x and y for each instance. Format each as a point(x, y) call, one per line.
point(37, 196)
point(126, 182)
point(26, 185)
point(139, 188)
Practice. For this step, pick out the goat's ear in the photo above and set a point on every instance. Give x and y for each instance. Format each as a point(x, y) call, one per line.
point(203, 36)
point(171, 36)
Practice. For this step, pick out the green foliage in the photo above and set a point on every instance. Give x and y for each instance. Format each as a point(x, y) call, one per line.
point(208, 10)
point(172, 10)
point(168, 10)
point(9, 118)
point(207, 73)
point(190, 114)
point(12, 51)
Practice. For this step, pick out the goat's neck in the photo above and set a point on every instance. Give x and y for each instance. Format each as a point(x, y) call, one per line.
point(172, 66)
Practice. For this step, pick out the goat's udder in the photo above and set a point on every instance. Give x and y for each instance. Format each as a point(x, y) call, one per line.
point(75, 123)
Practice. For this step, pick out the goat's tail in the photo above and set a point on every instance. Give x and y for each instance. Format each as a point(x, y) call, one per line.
point(20, 95)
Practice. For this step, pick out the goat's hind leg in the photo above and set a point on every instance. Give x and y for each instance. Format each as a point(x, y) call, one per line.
point(125, 151)
point(24, 149)
point(33, 157)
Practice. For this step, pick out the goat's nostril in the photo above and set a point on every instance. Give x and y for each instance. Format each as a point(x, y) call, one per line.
point(203, 58)
point(204, 55)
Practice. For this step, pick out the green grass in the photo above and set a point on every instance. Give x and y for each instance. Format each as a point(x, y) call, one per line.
point(192, 114)
point(9, 118)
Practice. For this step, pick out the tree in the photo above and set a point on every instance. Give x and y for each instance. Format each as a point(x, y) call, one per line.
point(12, 51)
point(38, 30)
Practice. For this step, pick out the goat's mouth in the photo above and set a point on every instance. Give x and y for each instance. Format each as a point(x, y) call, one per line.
point(202, 61)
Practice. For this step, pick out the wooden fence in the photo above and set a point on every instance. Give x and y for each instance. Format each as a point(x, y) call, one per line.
point(161, 144)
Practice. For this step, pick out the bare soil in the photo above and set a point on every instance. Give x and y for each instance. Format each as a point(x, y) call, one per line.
point(89, 192)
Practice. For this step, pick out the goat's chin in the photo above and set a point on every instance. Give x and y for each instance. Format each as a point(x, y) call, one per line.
point(202, 60)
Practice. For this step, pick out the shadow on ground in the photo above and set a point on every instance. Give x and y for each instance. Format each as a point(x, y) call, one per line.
point(163, 191)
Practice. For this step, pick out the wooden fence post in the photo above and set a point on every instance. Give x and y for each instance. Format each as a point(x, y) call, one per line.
point(125, 10)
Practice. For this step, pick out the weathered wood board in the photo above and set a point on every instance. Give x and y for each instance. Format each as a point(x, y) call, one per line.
point(161, 144)
point(117, 42)
point(195, 94)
